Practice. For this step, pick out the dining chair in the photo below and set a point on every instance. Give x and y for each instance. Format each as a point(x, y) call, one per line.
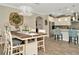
point(0, 36)
point(12, 28)
point(1, 43)
point(41, 40)
point(73, 36)
point(57, 34)
point(12, 46)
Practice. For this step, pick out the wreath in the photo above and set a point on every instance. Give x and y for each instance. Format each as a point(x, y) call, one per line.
point(15, 19)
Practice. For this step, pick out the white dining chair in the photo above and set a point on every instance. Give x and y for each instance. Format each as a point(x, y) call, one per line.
point(41, 43)
point(5, 43)
point(1, 43)
point(12, 46)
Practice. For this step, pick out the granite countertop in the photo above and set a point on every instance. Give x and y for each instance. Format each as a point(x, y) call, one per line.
point(66, 30)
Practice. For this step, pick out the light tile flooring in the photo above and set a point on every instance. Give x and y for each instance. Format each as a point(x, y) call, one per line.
point(54, 47)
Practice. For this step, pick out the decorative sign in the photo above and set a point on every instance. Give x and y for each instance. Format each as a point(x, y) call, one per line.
point(15, 19)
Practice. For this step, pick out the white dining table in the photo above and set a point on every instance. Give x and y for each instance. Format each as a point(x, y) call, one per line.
point(30, 48)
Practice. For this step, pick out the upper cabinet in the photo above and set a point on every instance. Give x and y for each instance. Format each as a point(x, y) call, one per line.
point(61, 20)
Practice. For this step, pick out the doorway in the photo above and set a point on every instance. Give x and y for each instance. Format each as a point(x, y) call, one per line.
point(39, 22)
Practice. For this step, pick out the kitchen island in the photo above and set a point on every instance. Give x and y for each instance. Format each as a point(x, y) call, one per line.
point(65, 34)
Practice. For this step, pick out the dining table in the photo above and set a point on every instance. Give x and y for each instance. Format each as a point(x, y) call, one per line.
point(31, 40)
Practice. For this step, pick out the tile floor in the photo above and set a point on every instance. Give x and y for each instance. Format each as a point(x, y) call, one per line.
point(54, 47)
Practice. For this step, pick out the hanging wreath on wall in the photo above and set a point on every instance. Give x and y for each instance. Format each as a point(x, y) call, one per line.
point(15, 19)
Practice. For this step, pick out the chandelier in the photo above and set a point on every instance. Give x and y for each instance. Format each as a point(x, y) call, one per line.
point(26, 10)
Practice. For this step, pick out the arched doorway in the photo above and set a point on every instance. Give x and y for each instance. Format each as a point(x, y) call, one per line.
point(39, 22)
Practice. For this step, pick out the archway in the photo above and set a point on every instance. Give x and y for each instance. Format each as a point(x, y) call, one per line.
point(39, 22)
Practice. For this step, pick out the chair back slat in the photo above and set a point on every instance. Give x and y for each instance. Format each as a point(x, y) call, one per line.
point(57, 31)
point(72, 33)
point(7, 37)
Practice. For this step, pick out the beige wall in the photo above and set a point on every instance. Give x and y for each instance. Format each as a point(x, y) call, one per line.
point(30, 21)
point(46, 27)
point(4, 15)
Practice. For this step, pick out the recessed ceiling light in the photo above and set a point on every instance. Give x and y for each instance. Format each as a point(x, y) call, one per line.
point(67, 9)
point(72, 11)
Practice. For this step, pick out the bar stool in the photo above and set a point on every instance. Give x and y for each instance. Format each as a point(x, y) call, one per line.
point(73, 36)
point(57, 34)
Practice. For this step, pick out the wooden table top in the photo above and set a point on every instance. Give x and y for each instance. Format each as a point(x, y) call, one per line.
point(21, 35)
point(40, 33)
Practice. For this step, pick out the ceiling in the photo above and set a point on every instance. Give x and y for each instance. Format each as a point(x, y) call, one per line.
point(48, 8)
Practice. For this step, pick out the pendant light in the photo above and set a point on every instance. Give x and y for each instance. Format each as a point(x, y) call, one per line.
point(26, 10)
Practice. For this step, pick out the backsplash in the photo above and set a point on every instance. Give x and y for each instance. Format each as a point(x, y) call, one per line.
point(75, 25)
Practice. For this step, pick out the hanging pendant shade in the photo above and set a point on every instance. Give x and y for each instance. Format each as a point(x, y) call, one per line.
point(26, 10)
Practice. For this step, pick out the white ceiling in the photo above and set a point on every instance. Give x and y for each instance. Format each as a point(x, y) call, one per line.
point(48, 8)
